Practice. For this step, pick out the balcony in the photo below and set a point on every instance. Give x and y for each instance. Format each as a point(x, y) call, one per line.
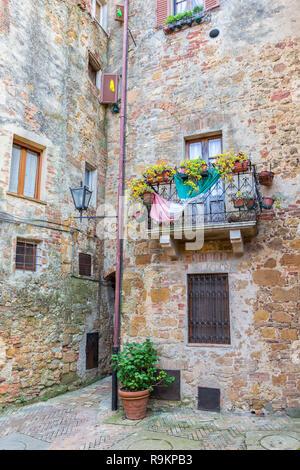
point(214, 214)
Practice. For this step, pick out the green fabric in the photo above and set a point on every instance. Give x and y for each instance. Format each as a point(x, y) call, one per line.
point(204, 184)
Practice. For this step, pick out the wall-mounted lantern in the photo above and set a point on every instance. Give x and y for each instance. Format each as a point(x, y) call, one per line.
point(81, 198)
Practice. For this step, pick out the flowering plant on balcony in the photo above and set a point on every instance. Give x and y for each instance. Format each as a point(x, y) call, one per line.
point(225, 164)
point(137, 188)
point(159, 173)
point(194, 169)
point(240, 198)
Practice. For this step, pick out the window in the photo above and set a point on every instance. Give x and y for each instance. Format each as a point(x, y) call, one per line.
point(101, 13)
point(206, 148)
point(94, 71)
point(25, 171)
point(208, 307)
point(90, 180)
point(85, 264)
point(180, 6)
point(26, 255)
point(92, 350)
point(214, 202)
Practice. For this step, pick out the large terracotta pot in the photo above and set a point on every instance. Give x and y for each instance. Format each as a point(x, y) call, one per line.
point(240, 167)
point(266, 178)
point(135, 403)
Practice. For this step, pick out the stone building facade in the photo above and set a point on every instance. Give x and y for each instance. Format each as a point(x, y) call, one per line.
point(240, 87)
point(50, 107)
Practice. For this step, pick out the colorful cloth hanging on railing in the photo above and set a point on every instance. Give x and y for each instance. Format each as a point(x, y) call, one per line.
point(165, 211)
point(185, 191)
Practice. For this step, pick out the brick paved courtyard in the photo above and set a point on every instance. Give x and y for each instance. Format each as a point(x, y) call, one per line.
point(84, 420)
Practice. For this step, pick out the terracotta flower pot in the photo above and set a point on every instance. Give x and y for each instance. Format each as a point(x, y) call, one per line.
point(267, 202)
point(163, 177)
point(238, 202)
point(240, 167)
point(135, 403)
point(266, 178)
point(251, 203)
point(148, 197)
point(166, 29)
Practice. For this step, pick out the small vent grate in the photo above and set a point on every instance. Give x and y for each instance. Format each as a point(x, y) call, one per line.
point(172, 392)
point(209, 399)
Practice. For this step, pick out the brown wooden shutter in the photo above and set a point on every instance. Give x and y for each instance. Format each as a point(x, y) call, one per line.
point(210, 4)
point(209, 320)
point(85, 264)
point(162, 11)
point(109, 88)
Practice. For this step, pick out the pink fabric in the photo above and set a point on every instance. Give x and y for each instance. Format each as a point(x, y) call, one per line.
point(164, 211)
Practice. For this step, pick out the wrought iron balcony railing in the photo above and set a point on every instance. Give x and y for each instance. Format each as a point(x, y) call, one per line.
point(217, 207)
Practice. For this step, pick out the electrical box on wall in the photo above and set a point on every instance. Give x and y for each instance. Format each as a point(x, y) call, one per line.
point(109, 88)
point(119, 13)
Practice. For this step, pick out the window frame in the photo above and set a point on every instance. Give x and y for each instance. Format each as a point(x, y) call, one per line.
point(189, 2)
point(33, 267)
point(22, 170)
point(191, 340)
point(93, 182)
point(203, 140)
point(94, 64)
point(101, 5)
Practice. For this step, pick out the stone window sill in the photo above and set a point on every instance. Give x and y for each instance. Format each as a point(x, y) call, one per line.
point(27, 198)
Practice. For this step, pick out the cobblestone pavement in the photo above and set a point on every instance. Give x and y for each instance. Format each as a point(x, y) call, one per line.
point(83, 420)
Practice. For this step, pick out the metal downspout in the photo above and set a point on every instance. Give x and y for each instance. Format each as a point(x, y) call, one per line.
point(119, 254)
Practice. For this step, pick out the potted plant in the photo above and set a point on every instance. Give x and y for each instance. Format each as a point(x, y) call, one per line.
point(137, 375)
point(266, 178)
point(169, 24)
point(189, 18)
point(179, 20)
point(240, 163)
point(140, 190)
point(197, 11)
point(267, 202)
point(194, 171)
point(228, 163)
point(239, 199)
point(159, 173)
point(251, 203)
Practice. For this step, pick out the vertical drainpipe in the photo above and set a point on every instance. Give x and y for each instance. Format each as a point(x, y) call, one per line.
point(119, 254)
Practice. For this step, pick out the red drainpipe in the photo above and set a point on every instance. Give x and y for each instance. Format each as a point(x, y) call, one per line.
point(119, 255)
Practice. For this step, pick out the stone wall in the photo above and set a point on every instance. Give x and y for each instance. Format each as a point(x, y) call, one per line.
point(242, 84)
point(47, 99)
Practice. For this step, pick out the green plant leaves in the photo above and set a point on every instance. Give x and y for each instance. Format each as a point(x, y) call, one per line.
point(135, 366)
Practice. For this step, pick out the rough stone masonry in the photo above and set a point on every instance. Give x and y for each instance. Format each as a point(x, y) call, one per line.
point(48, 100)
point(242, 85)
